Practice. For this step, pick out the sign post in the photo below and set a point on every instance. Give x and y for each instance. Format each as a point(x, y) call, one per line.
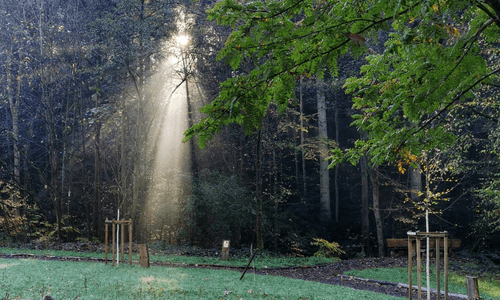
point(225, 250)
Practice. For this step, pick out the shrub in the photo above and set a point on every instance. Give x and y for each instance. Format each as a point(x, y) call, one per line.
point(220, 208)
point(327, 249)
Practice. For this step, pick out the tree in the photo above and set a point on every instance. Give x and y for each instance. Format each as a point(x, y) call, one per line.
point(432, 65)
point(324, 175)
point(129, 37)
point(290, 38)
point(436, 54)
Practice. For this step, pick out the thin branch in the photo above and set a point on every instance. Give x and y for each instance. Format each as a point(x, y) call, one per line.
point(488, 12)
point(453, 101)
point(491, 118)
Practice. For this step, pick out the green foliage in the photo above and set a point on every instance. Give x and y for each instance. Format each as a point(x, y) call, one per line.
point(432, 63)
point(327, 249)
point(487, 224)
point(13, 219)
point(434, 59)
point(33, 279)
point(221, 207)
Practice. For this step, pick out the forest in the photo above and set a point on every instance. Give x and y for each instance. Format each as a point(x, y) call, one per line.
point(269, 123)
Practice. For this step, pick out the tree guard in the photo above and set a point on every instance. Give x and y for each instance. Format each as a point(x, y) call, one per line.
point(436, 238)
point(116, 223)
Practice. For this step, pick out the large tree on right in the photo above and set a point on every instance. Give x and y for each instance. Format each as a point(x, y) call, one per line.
point(439, 58)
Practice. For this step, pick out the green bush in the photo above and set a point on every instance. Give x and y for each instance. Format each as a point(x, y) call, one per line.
point(485, 229)
point(220, 208)
point(327, 249)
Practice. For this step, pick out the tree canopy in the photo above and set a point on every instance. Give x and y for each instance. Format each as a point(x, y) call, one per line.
point(436, 55)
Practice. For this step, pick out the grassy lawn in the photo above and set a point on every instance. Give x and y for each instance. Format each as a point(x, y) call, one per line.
point(32, 279)
point(260, 261)
point(489, 288)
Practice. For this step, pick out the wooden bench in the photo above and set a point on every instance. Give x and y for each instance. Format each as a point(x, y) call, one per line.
point(399, 247)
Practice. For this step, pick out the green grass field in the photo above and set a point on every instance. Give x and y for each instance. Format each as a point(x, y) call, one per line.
point(32, 279)
point(489, 288)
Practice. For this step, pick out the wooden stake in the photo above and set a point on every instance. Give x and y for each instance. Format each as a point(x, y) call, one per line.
point(144, 255)
point(253, 255)
point(123, 242)
point(472, 288)
point(419, 269)
point(410, 254)
point(106, 241)
point(130, 241)
point(114, 250)
point(438, 265)
point(446, 266)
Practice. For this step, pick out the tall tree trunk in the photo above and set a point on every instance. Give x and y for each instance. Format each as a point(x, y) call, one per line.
point(324, 175)
point(427, 229)
point(376, 210)
point(50, 126)
point(258, 193)
point(296, 139)
point(191, 112)
point(276, 201)
point(415, 183)
point(301, 103)
point(336, 181)
point(85, 179)
point(123, 164)
point(14, 113)
point(365, 218)
point(97, 180)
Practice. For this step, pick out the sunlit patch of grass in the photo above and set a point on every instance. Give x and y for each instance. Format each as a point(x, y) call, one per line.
point(32, 279)
point(3, 266)
point(488, 288)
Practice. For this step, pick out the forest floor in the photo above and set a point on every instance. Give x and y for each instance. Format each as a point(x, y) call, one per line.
point(463, 264)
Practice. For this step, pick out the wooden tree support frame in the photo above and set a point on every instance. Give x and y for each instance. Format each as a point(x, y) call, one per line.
point(417, 237)
point(114, 224)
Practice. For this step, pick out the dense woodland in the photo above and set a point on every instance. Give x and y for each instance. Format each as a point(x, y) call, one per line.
point(348, 120)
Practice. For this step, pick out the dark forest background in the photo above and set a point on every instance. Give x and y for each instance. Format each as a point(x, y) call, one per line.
point(76, 113)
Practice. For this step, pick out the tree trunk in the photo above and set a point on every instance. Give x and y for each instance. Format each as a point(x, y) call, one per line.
point(415, 183)
point(427, 229)
point(324, 176)
point(336, 179)
point(97, 182)
point(14, 112)
point(304, 181)
point(376, 211)
point(365, 218)
point(258, 194)
point(123, 164)
point(50, 126)
point(276, 202)
point(296, 139)
point(85, 179)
